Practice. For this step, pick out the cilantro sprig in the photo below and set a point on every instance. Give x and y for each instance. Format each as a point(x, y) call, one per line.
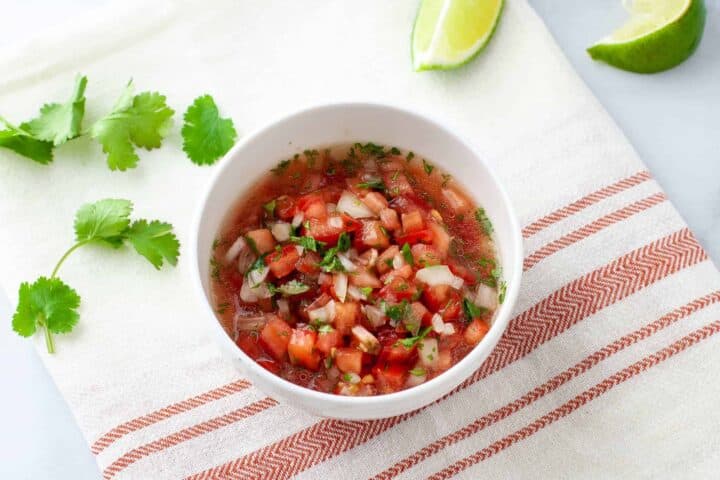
point(206, 135)
point(471, 310)
point(50, 304)
point(410, 342)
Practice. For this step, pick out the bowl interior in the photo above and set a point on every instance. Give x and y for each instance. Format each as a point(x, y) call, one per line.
point(344, 123)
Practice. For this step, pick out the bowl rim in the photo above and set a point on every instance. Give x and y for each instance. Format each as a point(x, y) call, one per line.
point(424, 390)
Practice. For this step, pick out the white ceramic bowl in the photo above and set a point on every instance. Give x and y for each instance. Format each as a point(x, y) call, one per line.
point(343, 123)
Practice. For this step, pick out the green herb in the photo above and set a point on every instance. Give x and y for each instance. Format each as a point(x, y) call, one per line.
point(215, 244)
point(206, 136)
point(214, 268)
point(308, 243)
point(389, 262)
point(409, 157)
point(410, 342)
point(396, 312)
point(50, 304)
point(428, 167)
point(325, 328)
point(23, 143)
point(281, 167)
point(222, 307)
point(394, 151)
point(483, 220)
point(251, 243)
point(446, 179)
point(258, 264)
point(384, 231)
point(293, 287)
point(141, 120)
point(348, 377)
point(343, 243)
point(417, 372)
point(471, 310)
point(395, 175)
point(270, 208)
point(371, 149)
point(366, 291)
point(502, 289)
point(373, 185)
point(311, 156)
point(330, 261)
point(328, 362)
point(416, 296)
point(395, 191)
point(407, 253)
point(60, 122)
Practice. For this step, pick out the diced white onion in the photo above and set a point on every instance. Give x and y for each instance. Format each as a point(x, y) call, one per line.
point(428, 351)
point(449, 329)
point(257, 276)
point(249, 323)
point(245, 259)
point(369, 257)
point(324, 314)
point(335, 222)
point(351, 377)
point(250, 294)
point(235, 249)
point(283, 307)
point(300, 249)
point(346, 263)
point(281, 231)
point(353, 206)
point(376, 317)
point(367, 341)
point(355, 293)
point(455, 201)
point(486, 297)
point(340, 284)
point(415, 380)
point(438, 325)
point(439, 275)
point(298, 219)
point(398, 261)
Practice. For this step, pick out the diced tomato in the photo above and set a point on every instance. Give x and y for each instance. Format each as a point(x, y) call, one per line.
point(348, 360)
point(329, 229)
point(308, 263)
point(282, 263)
point(275, 337)
point(398, 289)
point(421, 236)
point(346, 316)
point(249, 344)
point(326, 341)
point(412, 222)
point(441, 239)
point(425, 255)
point(404, 272)
point(301, 349)
point(462, 272)
point(385, 259)
point(475, 331)
point(371, 235)
point(389, 219)
point(390, 377)
point(397, 352)
point(444, 359)
point(453, 308)
point(397, 184)
point(420, 312)
point(375, 201)
point(436, 297)
point(406, 203)
point(261, 240)
point(363, 277)
point(319, 302)
point(313, 206)
point(285, 207)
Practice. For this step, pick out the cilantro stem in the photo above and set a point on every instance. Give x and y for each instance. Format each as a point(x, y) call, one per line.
point(66, 255)
point(49, 342)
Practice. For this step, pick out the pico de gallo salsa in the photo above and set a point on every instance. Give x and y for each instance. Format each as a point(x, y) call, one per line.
point(356, 270)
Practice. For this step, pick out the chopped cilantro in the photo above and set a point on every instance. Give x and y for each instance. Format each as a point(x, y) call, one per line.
point(367, 291)
point(428, 167)
point(293, 287)
point(409, 157)
point(407, 254)
point(484, 221)
point(410, 342)
point(311, 156)
point(396, 312)
point(374, 184)
point(394, 151)
point(258, 264)
point(371, 149)
point(446, 179)
point(222, 307)
point(325, 328)
point(416, 296)
point(395, 175)
point(417, 372)
point(281, 167)
point(471, 310)
point(270, 208)
point(343, 243)
point(308, 243)
point(502, 289)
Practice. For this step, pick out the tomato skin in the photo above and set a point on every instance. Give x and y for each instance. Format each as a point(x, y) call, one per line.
point(436, 297)
point(412, 222)
point(348, 360)
point(275, 337)
point(390, 377)
point(326, 230)
point(301, 348)
point(453, 308)
point(346, 315)
point(420, 236)
point(282, 263)
point(326, 341)
point(398, 289)
point(313, 206)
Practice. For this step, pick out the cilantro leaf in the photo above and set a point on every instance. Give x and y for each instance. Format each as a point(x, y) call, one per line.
point(142, 120)
point(471, 310)
point(502, 290)
point(325, 328)
point(104, 221)
point(343, 243)
point(308, 243)
point(373, 184)
point(206, 136)
point(23, 144)
point(396, 312)
point(60, 122)
point(417, 372)
point(48, 303)
point(293, 287)
point(407, 254)
point(410, 342)
point(270, 208)
point(155, 241)
point(428, 167)
point(483, 220)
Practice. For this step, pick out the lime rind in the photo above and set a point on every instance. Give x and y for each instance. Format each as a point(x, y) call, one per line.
point(662, 49)
point(466, 56)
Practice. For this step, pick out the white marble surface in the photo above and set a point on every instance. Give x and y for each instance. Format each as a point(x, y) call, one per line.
point(672, 119)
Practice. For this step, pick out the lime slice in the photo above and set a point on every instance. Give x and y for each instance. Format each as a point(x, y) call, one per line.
point(449, 33)
point(659, 35)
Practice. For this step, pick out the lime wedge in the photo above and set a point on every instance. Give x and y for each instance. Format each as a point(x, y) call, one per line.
point(449, 33)
point(659, 35)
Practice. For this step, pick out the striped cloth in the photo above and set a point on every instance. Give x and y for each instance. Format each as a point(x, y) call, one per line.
point(608, 368)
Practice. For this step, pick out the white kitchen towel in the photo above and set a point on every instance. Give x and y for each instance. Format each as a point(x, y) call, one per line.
point(608, 369)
